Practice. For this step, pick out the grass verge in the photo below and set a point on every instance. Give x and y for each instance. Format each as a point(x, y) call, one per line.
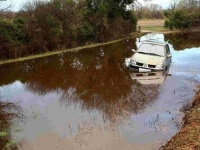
point(158, 28)
point(188, 137)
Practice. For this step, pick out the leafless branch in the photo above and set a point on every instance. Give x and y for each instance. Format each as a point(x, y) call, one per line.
point(4, 6)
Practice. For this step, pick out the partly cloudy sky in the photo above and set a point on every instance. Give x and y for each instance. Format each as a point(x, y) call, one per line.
point(16, 4)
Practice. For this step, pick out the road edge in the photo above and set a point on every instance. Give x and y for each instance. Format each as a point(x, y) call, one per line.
point(189, 135)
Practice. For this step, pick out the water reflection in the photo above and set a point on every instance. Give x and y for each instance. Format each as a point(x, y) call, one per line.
point(8, 112)
point(157, 77)
point(97, 79)
point(90, 94)
point(82, 82)
point(181, 41)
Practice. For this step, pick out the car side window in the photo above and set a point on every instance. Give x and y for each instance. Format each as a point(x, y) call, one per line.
point(167, 49)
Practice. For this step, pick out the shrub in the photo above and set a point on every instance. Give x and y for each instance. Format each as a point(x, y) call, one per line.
point(44, 26)
point(7, 30)
point(86, 32)
point(131, 17)
point(180, 20)
point(167, 13)
point(168, 24)
point(19, 23)
point(10, 39)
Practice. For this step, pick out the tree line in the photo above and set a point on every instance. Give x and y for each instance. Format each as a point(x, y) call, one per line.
point(43, 26)
point(183, 14)
point(149, 11)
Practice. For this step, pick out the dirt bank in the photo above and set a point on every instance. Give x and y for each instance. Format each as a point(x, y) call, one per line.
point(188, 137)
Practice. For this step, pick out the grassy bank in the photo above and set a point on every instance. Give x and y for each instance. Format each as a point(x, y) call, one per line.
point(189, 136)
point(64, 50)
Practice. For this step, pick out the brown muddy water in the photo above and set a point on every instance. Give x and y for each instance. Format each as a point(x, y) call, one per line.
point(88, 100)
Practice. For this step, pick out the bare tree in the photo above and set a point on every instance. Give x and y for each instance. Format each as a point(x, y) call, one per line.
point(4, 5)
point(189, 4)
point(173, 4)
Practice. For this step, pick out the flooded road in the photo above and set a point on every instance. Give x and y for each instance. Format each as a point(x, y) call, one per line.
point(88, 100)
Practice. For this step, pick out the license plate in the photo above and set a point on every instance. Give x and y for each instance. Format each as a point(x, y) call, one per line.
point(144, 70)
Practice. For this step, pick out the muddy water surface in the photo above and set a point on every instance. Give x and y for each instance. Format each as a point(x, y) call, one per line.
point(88, 100)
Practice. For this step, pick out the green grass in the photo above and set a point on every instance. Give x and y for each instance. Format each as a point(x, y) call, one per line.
point(159, 28)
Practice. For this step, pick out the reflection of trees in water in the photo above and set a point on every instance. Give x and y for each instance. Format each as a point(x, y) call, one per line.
point(22, 71)
point(116, 109)
point(108, 89)
point(8, 111)
point(77, 69)
point(181, 41)
point(9, 73)
point(97, 79)
point(87, 79)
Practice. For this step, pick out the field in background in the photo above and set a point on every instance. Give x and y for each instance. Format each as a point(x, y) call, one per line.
point(151, 23)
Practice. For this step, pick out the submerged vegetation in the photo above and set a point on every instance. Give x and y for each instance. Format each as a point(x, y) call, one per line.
point(58, 24)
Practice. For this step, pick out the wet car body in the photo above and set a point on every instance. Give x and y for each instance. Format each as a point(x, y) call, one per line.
point(151, 56)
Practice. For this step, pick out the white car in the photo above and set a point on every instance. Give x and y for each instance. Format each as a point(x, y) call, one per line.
point(150, 56)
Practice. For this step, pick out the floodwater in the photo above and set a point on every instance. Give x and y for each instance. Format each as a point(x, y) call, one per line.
point(88, 100)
